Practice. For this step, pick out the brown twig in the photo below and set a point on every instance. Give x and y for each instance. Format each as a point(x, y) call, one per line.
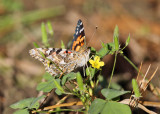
point(126, 101)
point(79, 103)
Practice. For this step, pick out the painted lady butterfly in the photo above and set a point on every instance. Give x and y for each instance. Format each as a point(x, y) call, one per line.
point(59, 61)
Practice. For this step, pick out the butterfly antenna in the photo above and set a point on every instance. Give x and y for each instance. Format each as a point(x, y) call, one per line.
point(93, 35)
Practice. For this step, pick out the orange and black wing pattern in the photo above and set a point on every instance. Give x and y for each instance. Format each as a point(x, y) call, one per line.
point(79, 37)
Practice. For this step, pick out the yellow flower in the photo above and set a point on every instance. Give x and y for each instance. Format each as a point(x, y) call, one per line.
point(96, 63)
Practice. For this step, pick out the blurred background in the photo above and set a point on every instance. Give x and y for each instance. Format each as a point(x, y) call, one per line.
point(20, 26)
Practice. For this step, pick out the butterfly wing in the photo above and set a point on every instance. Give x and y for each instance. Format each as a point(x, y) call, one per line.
point(79, 37)
point(55, 60)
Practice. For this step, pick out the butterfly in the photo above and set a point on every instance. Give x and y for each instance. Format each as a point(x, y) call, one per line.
point(59, 61)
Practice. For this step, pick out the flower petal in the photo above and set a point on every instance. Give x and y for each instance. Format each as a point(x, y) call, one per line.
point(91, 62)
point(101, 63)
point(97, 59)
point(97, 66)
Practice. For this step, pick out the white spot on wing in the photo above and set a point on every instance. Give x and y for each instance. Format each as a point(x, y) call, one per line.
point(40, 49)
point(77, 33)
point(81, 30)
point(62, 62)
point(48, 51)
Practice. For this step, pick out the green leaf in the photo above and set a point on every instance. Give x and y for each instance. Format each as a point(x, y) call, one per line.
point(49, 85)
point(80, 81)
point(93, 50)
point(111, 93)
point(58, 92)
point(47, 76)
point(127, 41)
point(97, 106)
point(112, 107)
point(90, 71)
point(46, 86)
point(51, 32)
point(35, 103)
point(116, 38)
point(44, 35)
point(107, 49)
point(35, 45)
point(22, 103)
point(116, 86)
point(68, 77)
point(62, 45)
point(100, 106)
point(22, 111)
point(135, 88)
point(58, 86)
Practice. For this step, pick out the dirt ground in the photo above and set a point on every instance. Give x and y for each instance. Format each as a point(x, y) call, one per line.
point(20, 25)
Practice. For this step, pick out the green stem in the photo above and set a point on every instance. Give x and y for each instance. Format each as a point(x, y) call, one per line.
point(130, 62)
point(113, 69)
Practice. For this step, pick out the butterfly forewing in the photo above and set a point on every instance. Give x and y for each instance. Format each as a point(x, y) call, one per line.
point(79, 37)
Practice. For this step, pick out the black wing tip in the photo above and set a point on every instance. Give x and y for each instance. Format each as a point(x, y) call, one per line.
point(79, 20)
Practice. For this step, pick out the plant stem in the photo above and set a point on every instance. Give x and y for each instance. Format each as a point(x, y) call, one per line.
point(130, 62)
point(113, 69)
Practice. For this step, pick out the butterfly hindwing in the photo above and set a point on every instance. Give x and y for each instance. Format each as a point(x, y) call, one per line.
point(56, 60)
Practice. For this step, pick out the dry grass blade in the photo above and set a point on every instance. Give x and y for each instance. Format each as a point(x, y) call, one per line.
point(154, 90)
point(143, 81)
point(152, 104)
point(139, 71)
point(79, 103)
point(151, 78)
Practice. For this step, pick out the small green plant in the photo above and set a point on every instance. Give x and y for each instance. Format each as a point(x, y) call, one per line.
point(86, 87)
